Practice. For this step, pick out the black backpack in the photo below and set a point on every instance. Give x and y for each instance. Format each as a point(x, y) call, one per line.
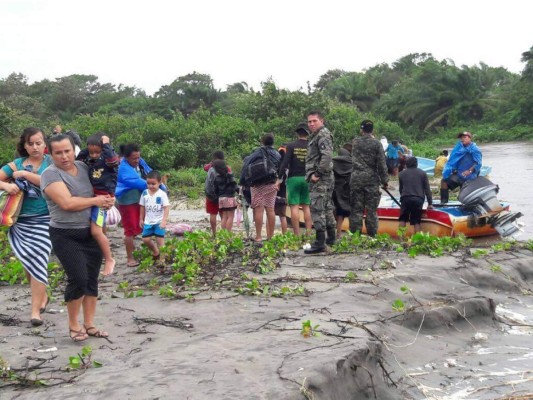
point(261, 170)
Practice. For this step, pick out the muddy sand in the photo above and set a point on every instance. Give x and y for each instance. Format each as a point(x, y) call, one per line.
point(465, 333)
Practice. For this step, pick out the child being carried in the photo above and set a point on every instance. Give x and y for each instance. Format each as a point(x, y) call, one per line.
point(103, 169)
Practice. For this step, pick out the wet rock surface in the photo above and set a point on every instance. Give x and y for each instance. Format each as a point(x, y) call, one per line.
point(463, 331)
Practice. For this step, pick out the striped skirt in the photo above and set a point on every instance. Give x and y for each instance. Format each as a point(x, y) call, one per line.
point(31, 244)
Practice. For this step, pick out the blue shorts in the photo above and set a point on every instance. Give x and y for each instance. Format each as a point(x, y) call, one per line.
point(153, 230)
point(98, 216)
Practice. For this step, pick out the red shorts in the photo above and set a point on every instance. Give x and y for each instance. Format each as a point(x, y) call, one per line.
point(211, 207)
point(130, 214)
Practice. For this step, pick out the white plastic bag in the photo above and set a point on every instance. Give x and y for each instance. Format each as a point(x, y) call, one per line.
point(113, 217)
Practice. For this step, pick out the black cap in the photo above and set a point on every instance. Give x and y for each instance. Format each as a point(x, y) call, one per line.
point(367, 126)
point(302, 128)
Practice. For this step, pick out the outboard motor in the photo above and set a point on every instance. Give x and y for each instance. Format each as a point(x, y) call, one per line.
point(479, 196)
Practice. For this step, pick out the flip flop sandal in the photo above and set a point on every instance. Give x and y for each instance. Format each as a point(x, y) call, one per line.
point(79, 336)
point(136, 264)
point(36, 322)
point(96, 332)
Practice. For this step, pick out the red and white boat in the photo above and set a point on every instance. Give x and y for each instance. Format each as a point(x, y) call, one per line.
point(478, 213)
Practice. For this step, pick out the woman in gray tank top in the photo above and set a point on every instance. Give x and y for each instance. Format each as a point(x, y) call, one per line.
point(69, 195)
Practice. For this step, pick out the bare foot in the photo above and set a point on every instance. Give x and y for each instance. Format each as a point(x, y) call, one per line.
point(109, 267)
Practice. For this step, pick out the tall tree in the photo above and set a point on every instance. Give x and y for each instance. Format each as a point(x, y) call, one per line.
point(524, 91)
point(354, 88)
point(328, 77)
point(437, 93)
point(188, 93)
point(14, 84)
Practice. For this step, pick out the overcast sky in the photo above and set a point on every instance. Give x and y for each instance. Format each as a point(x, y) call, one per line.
point(150, 43)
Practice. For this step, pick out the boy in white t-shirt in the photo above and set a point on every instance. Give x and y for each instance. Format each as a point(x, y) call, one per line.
point(154, 213)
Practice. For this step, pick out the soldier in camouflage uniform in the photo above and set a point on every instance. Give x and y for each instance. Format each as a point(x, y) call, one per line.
point(319, 174)
point(369, 171)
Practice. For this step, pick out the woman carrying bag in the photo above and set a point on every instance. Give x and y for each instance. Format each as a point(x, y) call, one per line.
point(28, 236)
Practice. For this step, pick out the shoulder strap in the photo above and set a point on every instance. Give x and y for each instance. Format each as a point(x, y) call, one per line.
point(13, 166)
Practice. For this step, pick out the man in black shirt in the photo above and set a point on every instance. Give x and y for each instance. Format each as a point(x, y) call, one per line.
point(297, 187)
point(414, 187)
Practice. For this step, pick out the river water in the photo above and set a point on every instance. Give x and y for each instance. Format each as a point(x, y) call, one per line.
point(512, 171)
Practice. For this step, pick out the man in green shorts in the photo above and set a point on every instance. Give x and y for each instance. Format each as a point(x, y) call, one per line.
point(297, 187)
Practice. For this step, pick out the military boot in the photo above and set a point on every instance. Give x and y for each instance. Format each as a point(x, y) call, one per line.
point(332, 236)
point(319, 245)
point(444, 196)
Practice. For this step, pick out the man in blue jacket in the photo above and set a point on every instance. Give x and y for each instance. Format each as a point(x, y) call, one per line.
point(464, 165)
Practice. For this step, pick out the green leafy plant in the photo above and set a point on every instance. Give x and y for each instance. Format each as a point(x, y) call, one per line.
point(350, 277)
point(153, 283)
point(503, 246)
point(478, 253)
point(255, 288)
point(308, 329)
point(129, 293)
point(496, 268)
point(167, 291)
point(434, 246)
point(357, 243)
point(28, 378)
point(398, 305)
point(56, 274)
point(83, 360)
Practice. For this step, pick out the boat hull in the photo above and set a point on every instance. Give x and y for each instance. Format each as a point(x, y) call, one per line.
point(443, 221)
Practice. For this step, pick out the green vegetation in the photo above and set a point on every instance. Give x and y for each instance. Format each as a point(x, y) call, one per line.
point(12, 271)
point(398, 305)
point(255, 288)
point(224, 262)
point(424, 243)
point(418, 99)
point(479, 253)
point(350, 277)
point(17, 377)
point(83, 360)
point(308, 329)
point(496, 268)
point(128, 291)
point(198, 262)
